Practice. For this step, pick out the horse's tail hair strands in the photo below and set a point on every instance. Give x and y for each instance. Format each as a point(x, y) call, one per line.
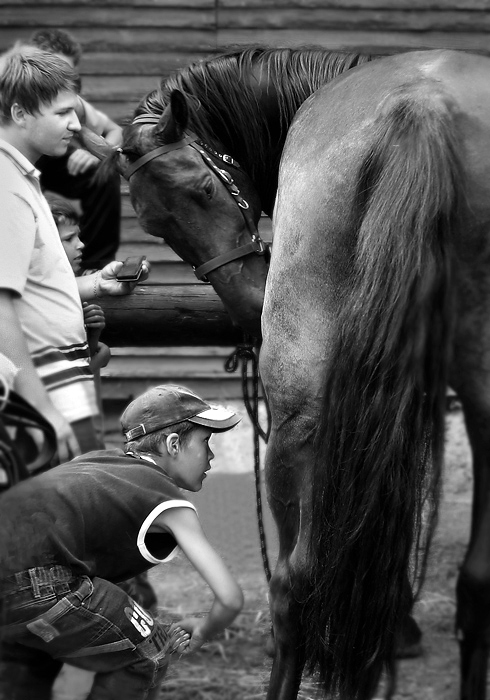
point(381, 436)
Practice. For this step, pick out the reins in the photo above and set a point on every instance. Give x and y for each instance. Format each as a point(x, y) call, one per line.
point(256, 244)
point(246, 353)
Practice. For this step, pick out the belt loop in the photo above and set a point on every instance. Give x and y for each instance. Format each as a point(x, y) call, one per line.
point(35, 583)
point(42, 580)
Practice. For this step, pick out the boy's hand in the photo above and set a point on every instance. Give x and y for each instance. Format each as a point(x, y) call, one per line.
point(101, 357)
point(93, 316)
point(108, 284)
point(178, 639)
point(190, 637)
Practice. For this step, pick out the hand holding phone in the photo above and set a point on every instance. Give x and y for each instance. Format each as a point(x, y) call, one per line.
point(131, 269)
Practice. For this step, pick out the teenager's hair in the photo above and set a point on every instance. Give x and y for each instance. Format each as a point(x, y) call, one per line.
point(150, 442)
point(57, 41)
point(31, 77)
point(62, 210)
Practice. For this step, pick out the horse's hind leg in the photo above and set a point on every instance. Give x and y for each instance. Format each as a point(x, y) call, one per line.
point(472, 383)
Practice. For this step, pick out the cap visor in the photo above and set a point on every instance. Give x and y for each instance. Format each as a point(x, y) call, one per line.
point(217, 419)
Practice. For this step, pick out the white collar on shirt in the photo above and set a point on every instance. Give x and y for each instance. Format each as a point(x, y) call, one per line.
point(23, 163)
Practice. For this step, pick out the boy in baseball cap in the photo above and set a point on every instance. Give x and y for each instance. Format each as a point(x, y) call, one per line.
point(69, 535)
point(172, 425)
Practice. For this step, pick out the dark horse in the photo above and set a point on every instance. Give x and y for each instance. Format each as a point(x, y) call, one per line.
point(378, 296)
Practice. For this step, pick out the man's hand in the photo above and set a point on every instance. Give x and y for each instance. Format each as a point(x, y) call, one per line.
point(108, 284)
point(80, 161)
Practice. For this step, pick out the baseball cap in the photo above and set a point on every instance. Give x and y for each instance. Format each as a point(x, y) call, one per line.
point(165, 405)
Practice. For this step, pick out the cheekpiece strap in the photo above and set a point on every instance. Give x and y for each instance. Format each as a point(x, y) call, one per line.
point(190, 138)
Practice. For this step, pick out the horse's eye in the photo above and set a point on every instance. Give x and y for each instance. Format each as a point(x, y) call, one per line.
point(209, 189)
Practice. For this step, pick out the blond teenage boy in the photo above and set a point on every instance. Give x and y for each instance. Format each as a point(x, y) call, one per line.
point(72, 175)
point(40, 299)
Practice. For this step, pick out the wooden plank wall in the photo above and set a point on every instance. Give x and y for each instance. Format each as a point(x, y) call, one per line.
point(129, 45)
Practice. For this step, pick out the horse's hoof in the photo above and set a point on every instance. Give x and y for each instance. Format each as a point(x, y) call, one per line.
point(270, 646)
point(409, 644)
point(409, 651)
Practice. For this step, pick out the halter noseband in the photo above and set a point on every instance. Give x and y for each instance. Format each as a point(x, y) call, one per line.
point(256, 245)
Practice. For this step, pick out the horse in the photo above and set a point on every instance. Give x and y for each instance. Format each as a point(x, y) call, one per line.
point(375, 171)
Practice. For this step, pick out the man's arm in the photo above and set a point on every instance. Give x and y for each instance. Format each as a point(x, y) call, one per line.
point(80, 160)
point(104, 282)
point(103, 125)
point(28, 383)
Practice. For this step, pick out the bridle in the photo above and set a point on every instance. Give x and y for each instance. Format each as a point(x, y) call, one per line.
point(256, 245)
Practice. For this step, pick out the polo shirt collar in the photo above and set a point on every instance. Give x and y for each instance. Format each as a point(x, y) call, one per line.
point(146, 458)
point(23, 163)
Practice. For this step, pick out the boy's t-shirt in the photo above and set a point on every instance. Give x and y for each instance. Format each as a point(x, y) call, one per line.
point(92, 514)
point(34, 266)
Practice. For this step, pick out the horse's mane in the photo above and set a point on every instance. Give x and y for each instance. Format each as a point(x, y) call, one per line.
point(245, 99)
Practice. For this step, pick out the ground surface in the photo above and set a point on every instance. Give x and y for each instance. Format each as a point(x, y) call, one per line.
point(236, 667)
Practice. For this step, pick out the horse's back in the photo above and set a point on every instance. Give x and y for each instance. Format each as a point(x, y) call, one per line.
point(315, 220)
point(334, 126)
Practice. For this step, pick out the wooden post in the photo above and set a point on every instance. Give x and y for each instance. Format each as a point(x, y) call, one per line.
point(168, 315)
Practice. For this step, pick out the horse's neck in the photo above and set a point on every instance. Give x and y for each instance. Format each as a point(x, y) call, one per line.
point(276, 98)
point(268, 103)
point(260, 153)
point(255, 140)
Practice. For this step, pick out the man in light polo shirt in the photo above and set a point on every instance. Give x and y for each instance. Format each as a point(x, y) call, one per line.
point(73, 174)
point(41, 317)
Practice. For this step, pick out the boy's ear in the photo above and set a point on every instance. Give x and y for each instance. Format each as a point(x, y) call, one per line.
point(18, 114)
point(173, 444)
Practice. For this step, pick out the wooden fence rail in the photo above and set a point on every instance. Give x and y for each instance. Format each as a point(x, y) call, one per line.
point(168, 315)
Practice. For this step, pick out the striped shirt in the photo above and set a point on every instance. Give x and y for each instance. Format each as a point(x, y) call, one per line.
point(34, 266)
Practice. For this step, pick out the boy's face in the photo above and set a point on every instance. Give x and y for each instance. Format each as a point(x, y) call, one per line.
point(193, 460)
point(49, 131)
point(69, 234)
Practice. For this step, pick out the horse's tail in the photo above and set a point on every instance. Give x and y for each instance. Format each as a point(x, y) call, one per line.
point(381, 434)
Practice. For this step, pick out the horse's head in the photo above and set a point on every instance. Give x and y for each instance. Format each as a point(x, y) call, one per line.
point(202, 203)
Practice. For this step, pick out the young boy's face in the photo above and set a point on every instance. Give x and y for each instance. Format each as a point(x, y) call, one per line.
point(69, 234)
point(193, 460)
point(49, 131)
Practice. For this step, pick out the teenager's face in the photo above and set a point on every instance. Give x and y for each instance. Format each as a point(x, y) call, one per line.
point(49, 131)
point(193, 460)
point(69, 234)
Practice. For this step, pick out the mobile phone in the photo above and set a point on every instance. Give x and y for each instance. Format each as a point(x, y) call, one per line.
point(131, 269)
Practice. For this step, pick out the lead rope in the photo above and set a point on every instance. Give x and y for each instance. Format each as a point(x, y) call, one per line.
point(246, 353)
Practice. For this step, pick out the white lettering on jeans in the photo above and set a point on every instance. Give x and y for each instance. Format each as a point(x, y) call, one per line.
point(140, 619)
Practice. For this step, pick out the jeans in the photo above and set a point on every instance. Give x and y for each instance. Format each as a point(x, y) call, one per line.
point(49, 617)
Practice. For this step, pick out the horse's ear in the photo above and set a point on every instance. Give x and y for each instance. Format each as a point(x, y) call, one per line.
point(174, 119)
